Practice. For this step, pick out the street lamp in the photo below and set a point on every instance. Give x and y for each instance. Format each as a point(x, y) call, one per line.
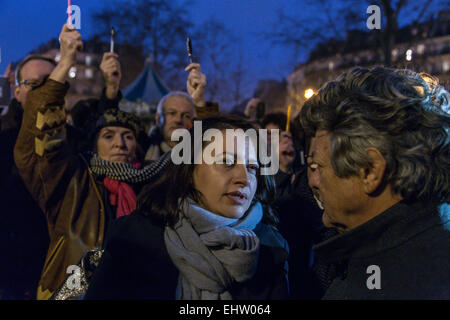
point(309, 93)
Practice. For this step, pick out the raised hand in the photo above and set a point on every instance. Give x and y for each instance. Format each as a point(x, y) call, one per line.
point(112, 73)
point(69, 43)
point(196, 84)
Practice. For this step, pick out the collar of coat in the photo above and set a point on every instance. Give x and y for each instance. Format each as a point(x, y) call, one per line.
point(389, 229)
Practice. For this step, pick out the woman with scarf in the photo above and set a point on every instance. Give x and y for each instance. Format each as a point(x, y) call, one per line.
point(201, 232)
point(80, 194)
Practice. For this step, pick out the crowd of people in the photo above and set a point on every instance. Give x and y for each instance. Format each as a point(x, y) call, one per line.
point(94, 207)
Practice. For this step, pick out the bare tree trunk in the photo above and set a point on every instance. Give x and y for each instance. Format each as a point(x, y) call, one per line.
point(388, 34)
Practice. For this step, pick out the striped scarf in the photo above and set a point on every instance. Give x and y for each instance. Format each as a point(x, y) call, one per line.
point(126, 172)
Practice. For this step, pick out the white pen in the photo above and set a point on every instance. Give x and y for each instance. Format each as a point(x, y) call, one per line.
point(111, 48)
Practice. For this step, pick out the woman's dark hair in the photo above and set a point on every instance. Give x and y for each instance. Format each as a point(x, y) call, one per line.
point(280, 119)
point(160, 200)
point(277, 118)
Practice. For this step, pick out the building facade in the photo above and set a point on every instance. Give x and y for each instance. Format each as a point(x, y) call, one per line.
point(424, 48)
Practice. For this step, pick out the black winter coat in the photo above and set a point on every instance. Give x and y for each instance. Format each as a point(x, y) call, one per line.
point(300, 222)
point(136, 265)
point(23, 230)
point(24, 237)
point(409, 244)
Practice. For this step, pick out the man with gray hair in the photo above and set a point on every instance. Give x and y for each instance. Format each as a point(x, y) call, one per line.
point(177, 110)
point(379, 160)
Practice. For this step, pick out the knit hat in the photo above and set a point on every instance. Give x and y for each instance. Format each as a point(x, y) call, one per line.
point(118, 118)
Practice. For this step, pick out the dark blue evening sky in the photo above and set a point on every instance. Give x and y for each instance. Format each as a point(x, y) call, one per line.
point(25, 24)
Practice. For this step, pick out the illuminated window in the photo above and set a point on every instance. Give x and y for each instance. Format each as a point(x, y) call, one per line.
point(394, 53)
point(445, 66)
point(73, 72)
point(89, 73)
point(420, 49)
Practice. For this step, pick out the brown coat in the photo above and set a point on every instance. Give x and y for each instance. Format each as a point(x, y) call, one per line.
point(61, 182)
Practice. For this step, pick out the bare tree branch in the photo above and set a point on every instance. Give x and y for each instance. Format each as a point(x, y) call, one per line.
point(159, 26)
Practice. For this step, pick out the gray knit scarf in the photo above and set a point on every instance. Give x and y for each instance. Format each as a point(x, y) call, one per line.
point(126, 172)
point(212, 252)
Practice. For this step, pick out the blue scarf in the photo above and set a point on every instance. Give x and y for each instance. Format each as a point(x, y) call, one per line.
point(212, 252)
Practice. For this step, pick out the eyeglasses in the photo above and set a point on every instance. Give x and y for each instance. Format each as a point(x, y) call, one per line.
point(34, 83)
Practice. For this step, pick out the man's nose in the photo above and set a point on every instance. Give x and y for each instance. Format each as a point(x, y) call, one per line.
point(313, 178)
point(179, 118)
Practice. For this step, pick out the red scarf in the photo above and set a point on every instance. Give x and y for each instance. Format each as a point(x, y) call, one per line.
point(121, 194)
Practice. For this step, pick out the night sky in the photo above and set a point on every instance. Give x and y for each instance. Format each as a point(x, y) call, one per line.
point(25, 24)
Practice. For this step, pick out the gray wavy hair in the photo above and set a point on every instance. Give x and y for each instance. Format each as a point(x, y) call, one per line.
point(405, 115)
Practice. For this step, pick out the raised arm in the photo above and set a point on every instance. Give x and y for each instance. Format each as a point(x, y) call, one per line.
point(42, 154)
point(196, 84)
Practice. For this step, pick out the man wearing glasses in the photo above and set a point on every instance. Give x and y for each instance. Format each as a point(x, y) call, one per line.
point(23, 231)
point(30, 73)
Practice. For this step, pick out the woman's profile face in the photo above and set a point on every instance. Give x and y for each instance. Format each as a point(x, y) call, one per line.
point(228, 189)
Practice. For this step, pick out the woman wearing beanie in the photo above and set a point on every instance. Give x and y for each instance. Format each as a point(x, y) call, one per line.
point(79, 193)
point(212, 236)
point(82, 193)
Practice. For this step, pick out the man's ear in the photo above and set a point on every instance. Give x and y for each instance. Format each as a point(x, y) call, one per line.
point(17, 91)
point(372, 177)
point(159, 120)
